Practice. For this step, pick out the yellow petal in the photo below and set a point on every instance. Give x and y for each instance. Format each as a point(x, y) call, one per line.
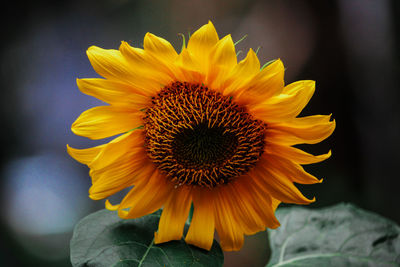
point(155, 67)
point(111, 207)
point(121, 159)
point(174, 215)
point(277, 186)
point(295, 154)
point(292, 171)
point(119, 175)
point(201, 42)
point(114, 92)
point(267, 83)
point(160, 47)
point(85, 155)
point(256, 200)
point(111, 64)
point(222, 61)
point(305, 130)
point(249, 210)
point(287, 105)
point(124, 167)
point(237, 199)
point(304, 122)
point(304, 90)
point(189, 68)
point(249, 205)
point(147, 196)
point(201, 230)
point(242, 73)
point(293, 88)
point(121, 147)
point(105, 121)
point(230, 233)
point(275, 203)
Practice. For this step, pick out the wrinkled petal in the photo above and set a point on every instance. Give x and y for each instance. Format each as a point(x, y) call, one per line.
point(105, 121)
point(174, 215)
point(238, 200)
point(259, 201)
point(201, 230)
point(147, 196)
point(277, 186)
point(252, 213)
point(241, 208)
point(230, 233)
point(292, 171)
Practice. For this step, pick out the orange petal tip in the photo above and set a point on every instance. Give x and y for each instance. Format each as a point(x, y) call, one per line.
point(110, 206)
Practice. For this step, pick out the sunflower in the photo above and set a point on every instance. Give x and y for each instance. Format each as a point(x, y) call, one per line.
point(197, 128)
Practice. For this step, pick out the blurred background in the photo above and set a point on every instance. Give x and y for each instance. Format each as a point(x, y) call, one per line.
point(351, 48)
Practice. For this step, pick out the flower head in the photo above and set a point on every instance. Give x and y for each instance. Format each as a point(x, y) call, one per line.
point(197, 127)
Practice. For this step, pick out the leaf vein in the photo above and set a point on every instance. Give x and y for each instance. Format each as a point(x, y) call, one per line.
point(281, 255)
point(146, 252)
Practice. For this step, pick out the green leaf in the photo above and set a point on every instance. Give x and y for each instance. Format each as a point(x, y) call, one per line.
point(104, 239)
point(342, 235)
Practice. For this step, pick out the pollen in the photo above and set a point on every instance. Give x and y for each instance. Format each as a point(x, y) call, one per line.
point(199, 137)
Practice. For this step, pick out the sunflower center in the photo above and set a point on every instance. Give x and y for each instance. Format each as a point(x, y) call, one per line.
point(203, 147)
point(199, 137)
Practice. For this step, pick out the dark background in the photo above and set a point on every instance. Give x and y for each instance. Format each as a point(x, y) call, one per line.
point(351, 48)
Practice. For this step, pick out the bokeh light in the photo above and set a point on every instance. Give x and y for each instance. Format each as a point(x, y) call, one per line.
point(43, 195)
